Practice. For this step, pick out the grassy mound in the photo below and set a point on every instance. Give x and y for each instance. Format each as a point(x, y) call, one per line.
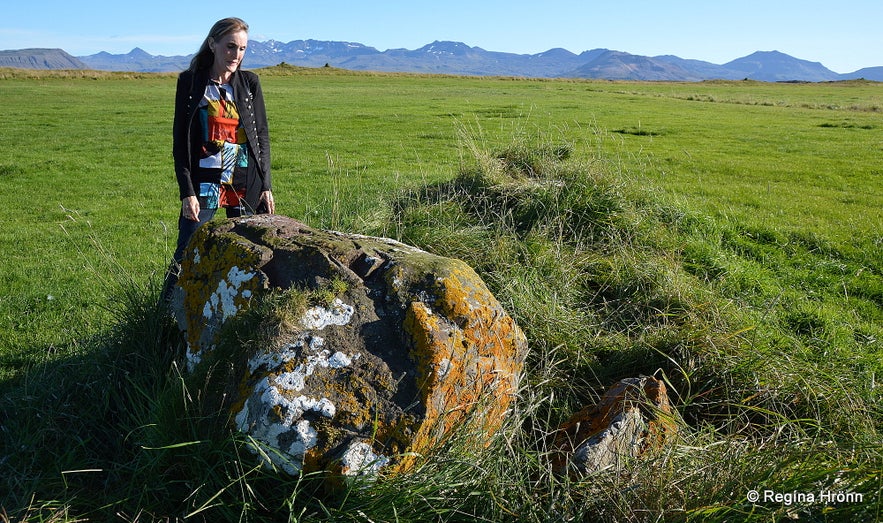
point(769, 344)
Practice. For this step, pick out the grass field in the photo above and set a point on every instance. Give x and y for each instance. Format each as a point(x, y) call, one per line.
point(735, 241)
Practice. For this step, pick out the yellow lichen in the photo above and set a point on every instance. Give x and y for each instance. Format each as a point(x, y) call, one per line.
point(476, 346)
point(214, 256)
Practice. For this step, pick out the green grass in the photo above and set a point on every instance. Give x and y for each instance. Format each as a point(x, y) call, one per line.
point(723, 235)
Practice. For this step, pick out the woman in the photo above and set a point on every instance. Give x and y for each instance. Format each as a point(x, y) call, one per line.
point(221, 143)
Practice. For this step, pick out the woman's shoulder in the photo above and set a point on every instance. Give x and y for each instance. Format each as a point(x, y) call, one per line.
point(186, 77)
point(247, 79)
point(249, 76)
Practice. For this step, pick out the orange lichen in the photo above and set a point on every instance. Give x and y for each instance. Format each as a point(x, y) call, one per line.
point(646, 395)
point(466, 351)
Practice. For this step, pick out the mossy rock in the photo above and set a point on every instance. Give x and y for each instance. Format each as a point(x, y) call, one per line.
point(403, 348)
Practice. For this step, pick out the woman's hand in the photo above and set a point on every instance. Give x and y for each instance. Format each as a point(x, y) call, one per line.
point(190, 208)
point(270, 204)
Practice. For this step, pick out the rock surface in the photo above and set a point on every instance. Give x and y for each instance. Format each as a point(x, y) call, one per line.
point(402, 348)
point(633, 416)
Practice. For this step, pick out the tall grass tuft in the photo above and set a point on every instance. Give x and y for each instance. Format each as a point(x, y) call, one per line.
point(595, 270)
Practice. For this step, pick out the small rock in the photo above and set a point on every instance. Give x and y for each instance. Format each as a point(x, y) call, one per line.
point(633, 416)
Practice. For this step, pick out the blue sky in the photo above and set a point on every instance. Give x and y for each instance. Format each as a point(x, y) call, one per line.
point(844, 36)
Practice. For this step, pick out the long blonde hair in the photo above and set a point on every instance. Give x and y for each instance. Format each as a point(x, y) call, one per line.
point(205, 57)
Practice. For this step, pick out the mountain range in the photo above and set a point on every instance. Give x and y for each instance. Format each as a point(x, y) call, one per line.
point(458, 58)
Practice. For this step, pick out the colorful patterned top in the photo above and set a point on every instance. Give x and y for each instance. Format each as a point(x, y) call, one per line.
point(190, 134)
point(224, 151)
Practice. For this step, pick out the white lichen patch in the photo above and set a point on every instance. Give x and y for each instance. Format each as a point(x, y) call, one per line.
point(339, 360)
point(307, 438)
point(275, 420)
point(274, 360)
point(222, 302)
point(296, 379)
point(360, 459)
point(317, 318)
point(278, 409)
point(444, 367)
point(273, 414)
point(194, 357)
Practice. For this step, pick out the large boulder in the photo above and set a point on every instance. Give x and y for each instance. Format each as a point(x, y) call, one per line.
point(371, 352)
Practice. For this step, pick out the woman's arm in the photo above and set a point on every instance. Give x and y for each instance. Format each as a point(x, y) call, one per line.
point(181, 135)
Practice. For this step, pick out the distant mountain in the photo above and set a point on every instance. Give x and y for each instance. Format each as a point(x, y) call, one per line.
point(703, 70)
point(868, 73)
point(40, 59)
point(306, 53)
point(616, 65)
point(137, 60)
point(773, 66)
point(460, 59)
point(437, 57)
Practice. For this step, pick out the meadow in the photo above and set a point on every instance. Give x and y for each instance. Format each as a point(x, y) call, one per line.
point(728, 235)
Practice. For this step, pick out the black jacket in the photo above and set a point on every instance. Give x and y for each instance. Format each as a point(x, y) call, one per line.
point(186, 150)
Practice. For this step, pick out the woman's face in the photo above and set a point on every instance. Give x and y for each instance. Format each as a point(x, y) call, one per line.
point(229, 51)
